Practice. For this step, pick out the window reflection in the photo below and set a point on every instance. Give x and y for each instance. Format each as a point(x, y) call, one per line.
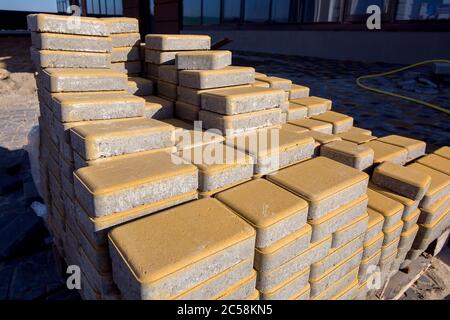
point(321, 10)
point(257, 10)
point(211, 12)
point(281, 10)
point(231, 10)
point(192, 10)
point(423, 10)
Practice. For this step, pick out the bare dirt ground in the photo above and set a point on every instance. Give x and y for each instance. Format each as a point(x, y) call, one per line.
point(19, 110)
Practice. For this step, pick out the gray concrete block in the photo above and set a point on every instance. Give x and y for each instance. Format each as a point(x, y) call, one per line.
point(158, 108)
point(241, 100)
point(82, 80)
point(122, 24)
point(338, 286)
point(102, 140)
point(350, 231)
point(209, 79)
point(296, 112)
point(405, 181)
point(140, 86)
point(367, 266)
point(241, 123)
point(298, 92)
point(66, 42)
point(173, 42)
point(72, 107)
point(186, 111)
point(132, 39)
point(270, 258)
point(168, 90)
point(193, 96)
point(289, 288)
point(123, 54)
point(148, 270)
point(373, 245)
point(351, 154)
point(129, 67)
point(69, 59)
point(160, 57)
point(203, 60)
point(242, 290)
point(111, 188)
point(66, 24)
point(168, 73)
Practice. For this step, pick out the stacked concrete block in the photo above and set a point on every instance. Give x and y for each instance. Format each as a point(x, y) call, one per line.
point(337, 207)
point(385, 152)
point(356, 137)
point(158, 257)
point(273, 149)
point(126, 43)
point(282, 233)
point(354, 155)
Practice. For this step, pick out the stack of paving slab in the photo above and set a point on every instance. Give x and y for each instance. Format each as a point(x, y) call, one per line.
point(126, 45)
point(103, 162)
point(337, 214)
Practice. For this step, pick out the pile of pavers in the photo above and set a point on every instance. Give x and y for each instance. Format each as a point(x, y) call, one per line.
point(271, 196)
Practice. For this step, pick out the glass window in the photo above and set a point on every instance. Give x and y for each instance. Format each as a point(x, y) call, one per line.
point(321, 10)
point(359, 7)
point(192, 10)
point(423, 10)
point(257, 10)
point(231, 10)
point(281, 10)
point(119, 8)
point(211, 11)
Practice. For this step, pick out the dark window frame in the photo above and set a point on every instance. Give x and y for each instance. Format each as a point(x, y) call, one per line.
point(346, 22)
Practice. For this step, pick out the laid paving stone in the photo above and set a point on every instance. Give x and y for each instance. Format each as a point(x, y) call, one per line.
point(405, 181)
point(66, 42)
point(443, 152)
point(173, 42)
point(356, 137)
point(416, 148)
point(20, 232)
point(130, 39)
point(439, 187)
point(241, 100)
point(187, 111)
point(326, 192)
point(135, 185)
point(289, 288)
point(436, 162)
point(209, 79)
point(268, 281)
point(240, 123)
point(161, 272)
point(168, 73)
point(125, 54)
point(410, 206)
point(193, 96)
point(298, 92)
point(350, 231)
point(391, 210)
point(340, 122)
point(314, 125)
point(272, 257)
point(69, 59)
point(140, 86)
point(271, 210)
point(277, 83)
point(387, 152)
point(100, 140)
point(61, 24)
point(158, 108)
point(337, 218)
point(273, 149)
point(121, 24)
point(314, 104)
point(72, 106)
point(82, 80)
point(351, 154)
point(219, 167)
point(129, 67)
point(168, 90)
point(203, 60)
point(9, 183)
